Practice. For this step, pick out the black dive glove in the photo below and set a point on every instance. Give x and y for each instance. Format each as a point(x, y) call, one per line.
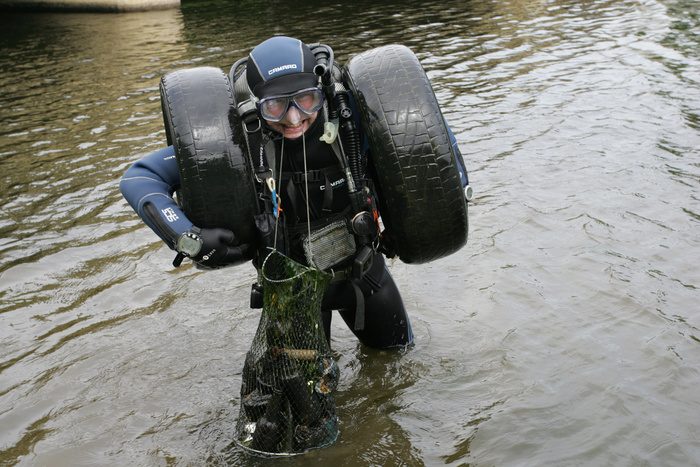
point(387, 245)
point(211, 248)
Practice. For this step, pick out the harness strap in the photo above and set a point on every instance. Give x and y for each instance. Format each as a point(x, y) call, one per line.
point(346, 276)
point(359, 307)
point(292, 194)
point(314, 176)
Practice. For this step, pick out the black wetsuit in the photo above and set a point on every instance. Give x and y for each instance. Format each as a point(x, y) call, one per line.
point(386, 322)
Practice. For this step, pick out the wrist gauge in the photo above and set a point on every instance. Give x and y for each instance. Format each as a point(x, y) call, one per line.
point(189, 244)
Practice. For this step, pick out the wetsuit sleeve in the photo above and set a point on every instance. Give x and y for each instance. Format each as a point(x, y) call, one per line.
point(148, 186)
point(458, 155)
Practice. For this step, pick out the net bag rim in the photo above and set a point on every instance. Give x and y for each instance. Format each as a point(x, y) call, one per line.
point(303, 268)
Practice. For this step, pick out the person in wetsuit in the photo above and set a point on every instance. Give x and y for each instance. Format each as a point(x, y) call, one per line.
point(313, 195)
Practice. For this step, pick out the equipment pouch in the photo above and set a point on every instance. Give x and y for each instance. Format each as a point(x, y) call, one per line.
point(330, 245)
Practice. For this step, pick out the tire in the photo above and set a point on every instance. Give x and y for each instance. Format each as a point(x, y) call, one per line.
point(216, 181)
point(412, 163)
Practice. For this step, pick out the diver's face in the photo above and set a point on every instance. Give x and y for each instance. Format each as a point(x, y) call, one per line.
point(292, 114)
point(294, 123)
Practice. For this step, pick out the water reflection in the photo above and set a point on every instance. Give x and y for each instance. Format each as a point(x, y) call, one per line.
point(69, 117)
point(564, 333)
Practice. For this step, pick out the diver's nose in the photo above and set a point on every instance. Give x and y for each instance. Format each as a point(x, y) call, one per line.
point(293, 115)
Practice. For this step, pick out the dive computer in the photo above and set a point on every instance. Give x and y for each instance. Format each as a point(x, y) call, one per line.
point(189, 243)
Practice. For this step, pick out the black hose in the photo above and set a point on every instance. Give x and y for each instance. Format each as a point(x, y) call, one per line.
point(324, 63)
point(351, 136)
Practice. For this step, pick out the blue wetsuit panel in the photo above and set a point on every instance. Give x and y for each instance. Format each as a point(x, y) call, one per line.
point(148, 185)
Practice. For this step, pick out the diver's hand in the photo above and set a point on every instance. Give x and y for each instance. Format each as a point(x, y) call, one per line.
point(217, 248)
point(220, 247)
point(387, 245)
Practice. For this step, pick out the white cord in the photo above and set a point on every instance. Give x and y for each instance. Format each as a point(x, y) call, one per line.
point(306, 188)
point(279, 198)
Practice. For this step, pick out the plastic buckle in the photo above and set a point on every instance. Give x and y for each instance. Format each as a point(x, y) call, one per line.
point(362, 262)
point(313, 177)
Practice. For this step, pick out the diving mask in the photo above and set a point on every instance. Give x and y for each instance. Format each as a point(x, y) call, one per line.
point(274, 108)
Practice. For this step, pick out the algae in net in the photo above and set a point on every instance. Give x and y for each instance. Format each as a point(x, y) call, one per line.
point(289, 375)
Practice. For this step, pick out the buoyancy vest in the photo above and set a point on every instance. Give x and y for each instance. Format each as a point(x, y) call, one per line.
point(329, 204)
point(324, 181)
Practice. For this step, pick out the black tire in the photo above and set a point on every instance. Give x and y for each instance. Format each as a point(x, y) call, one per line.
point(216, 181)
point(412, 162)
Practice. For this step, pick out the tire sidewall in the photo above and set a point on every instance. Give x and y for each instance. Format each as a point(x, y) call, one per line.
point(412, 161)
point(216, 185)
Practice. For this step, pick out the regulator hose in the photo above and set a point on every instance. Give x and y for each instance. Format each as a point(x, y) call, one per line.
point(351, 136)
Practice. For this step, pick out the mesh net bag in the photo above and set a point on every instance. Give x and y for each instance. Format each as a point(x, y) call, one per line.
point(289, 375)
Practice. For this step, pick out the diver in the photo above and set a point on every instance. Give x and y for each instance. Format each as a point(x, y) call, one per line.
point(313, 199)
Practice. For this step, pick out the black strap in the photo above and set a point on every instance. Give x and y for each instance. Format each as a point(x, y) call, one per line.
point(346, 276)
point(359, 307)
point(314, 176)
point(327, 196)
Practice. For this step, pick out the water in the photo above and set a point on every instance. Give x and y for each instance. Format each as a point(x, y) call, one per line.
point(564, 333)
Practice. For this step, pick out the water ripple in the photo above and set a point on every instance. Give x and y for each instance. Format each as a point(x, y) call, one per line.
point(564, 333)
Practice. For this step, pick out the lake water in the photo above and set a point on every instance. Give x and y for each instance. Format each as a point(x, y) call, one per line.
point(564, 333)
